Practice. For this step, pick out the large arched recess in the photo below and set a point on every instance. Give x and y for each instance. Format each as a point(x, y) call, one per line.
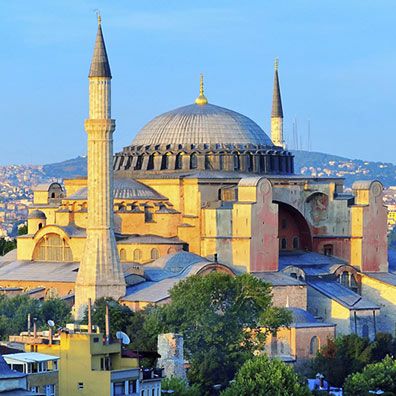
point(293, 228)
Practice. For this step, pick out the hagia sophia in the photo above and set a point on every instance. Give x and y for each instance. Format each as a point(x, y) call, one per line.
point(203, 188)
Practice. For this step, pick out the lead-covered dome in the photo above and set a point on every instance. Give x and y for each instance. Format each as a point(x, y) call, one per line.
point(201, 124)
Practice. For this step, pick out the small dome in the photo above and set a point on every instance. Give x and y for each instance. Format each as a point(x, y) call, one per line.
point(196, 124)
point(37, 214)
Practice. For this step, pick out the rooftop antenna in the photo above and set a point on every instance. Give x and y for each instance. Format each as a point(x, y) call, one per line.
point(107, 324)
point(125, 340)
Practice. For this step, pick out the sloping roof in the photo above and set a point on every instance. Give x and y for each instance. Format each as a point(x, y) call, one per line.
point(151, 239)
point(277, 110)
point(302, 318)
point(278, 279)
point(385, 277)
point(342, 295)
point(100, 66)
point(307, 259)
point(124, 188)
point(30, 357)
point(39, 271)
point(6, 372)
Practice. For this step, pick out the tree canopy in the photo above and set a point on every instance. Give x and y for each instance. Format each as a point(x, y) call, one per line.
point(212, 313)
point(261, 376)
point(348, 354)
point(379, 376)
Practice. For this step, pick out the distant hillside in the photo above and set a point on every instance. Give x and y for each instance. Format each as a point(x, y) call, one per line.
point(306, 162)
point(67, 169)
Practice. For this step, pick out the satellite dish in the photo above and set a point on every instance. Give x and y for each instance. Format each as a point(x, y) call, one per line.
point(50, 323)
point(120, 335)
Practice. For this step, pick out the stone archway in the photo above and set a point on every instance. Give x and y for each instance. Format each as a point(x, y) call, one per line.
point(293, 229)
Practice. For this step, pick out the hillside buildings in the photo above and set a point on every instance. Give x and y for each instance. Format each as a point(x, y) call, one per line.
point(202, 188)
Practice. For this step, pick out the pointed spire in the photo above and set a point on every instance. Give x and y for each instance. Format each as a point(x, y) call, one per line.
point(201, 100)
point(100, 66)
point(277, 110)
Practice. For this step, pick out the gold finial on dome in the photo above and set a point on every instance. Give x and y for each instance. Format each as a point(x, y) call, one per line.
point(201, 100)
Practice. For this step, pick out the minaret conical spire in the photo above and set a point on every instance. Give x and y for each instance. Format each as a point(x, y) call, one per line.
point(100, 66)
point(277, 110)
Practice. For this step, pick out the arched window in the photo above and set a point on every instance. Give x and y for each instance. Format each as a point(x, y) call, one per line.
point(150, 164)
point(122, 255)
point(250, 162)
point(137, 255)
point(283, 244)
point(165, 162)
point(314, 345)
point(40, 226)
point(53, 195)
point(328, 250)
point(296, 242)
point(272, 163)
point(139, 162)
point(208, 164)
point(344, 279)
point(171, 250)
point(148, 215)
point(237, 162)
point(179, 161)
point(221, 161)
point(154, 254)
point(52, 247)
point(193, 161)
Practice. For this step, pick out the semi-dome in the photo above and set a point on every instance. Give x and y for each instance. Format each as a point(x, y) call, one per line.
point(37, 214)
point(201, 124)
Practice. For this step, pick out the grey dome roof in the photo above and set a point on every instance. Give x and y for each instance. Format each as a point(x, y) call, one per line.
point(195, 124)
point(123, 189)
point(37, 214)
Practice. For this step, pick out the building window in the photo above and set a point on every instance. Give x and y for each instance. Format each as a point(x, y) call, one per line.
point(150, 164)
point(52, 247)
point(193, 161)
point(179, 161)
point(283, 244)
point(50, 390)
point(34, 389)
point(123, 255)
point(131, 386)
point(344, 279)
point(137, 255)
point(296, 242)
point(237, 162)
point(105, 363)
point(154, 254)
point(148, 215)
point(365, 331)
point(314, 345)
point(328, 250)
point(165, 162)
point(80, 385)
point(139, 162)
point(250, 162)
point(40, 226)
point(221, 161)
point(208, 164)
point(118, 388)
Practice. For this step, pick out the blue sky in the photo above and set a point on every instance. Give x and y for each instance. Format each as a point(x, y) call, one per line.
point(337, 69)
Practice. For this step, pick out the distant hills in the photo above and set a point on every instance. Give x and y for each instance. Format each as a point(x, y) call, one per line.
point(306, 162)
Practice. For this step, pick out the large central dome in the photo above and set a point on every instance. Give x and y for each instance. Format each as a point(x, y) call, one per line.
point(196, 124)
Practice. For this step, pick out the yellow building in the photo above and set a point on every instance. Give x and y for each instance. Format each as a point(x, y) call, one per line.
point(91, 364)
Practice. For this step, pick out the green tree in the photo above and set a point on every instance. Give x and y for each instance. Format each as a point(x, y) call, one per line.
point(22, 229)
point(120, 315)
point(261, 376)
point(374, 377)
point(212, 313)
point(6, 245)
point(57, 310)
point(180, 387)
point(341, 357)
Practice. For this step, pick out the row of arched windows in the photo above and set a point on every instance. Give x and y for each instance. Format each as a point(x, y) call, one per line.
point(137, 255)
point(295, 243)
point(266, 163)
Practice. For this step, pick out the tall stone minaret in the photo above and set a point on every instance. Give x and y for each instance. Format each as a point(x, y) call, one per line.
point(277, 112)
point(100, 273)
